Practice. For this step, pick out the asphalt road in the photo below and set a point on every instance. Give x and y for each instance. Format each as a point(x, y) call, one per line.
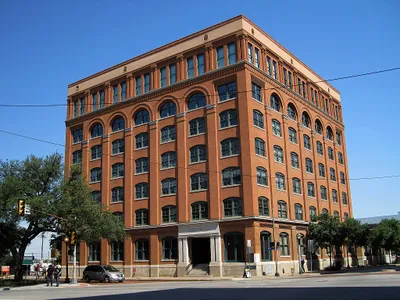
point(355, 286)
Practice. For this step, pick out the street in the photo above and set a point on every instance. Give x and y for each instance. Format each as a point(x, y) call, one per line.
point(354, 286)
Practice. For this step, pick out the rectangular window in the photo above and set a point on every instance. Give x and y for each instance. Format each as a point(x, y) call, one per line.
point(256, 92)
point(94, 101)
point(312, 95)
point(316, 98)
point(269, 65)
point(101, 99)
point(76, 108)
point(250, 53)
point(94, 252)
point(82, 105)
point(138, 85)
point(290, 80)
point(299, 85)
point(304, 90)
point(275, 70)
point(115, 93)
point(123, 91)
point(163, 76)
point(200, 64)
point(190, 67)
point(326, 105)
point(227, 91)
point(231, 53)
point(220, 57)
point(172, 74)
point(146, 82)
point(285, 79)
point(257, 57)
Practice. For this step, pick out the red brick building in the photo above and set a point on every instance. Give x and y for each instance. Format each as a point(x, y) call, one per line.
point(199, 144)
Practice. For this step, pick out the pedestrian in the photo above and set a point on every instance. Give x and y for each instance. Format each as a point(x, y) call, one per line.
point(57, 274)
point(49, 278)
point(37, 269)
point(302, 264)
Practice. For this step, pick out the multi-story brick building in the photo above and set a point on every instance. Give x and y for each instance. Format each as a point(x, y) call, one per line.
point(200, 144)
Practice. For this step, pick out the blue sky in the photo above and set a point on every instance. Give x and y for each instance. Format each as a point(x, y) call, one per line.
point(45, 45)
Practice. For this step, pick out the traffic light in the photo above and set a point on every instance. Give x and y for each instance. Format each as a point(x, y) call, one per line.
point(21, 207)
point(73, 237)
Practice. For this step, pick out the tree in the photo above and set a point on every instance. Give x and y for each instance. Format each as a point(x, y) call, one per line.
point(386, 235)
point(356, 235)
point(57, 205)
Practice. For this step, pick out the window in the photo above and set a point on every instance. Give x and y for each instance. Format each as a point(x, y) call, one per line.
point(77, 135)
point(96, 196)
point(163, 76)
point(346, 216)
point(256, 92)
point(197, 126)
point(115, 93)
point(142, 165)
point(269, 65)
point(324, 195)
point(232, 207)
point(234, 247)
point(334, 196)
point(300, 244)
point(142, 250)
point(276, 128)
point(142, 117)
point(292, 135)
point(258, 118)
point(142, 190)
point(278, 154)
point(198, 181)
point(169, 214)
point(168, 160)
point(172, 74)
point(190, 67)
point(318, 127)
point(333, 174)
point(340, 158)
point(95, 152)
point(231, 53)
point(117, 194)
point(119, 215)
point(198, 154)
point(231, 176)
point(118, 124)
point(275, 102)
point(275, 69)
point(142, 140)
point(123, 91)
point(168, 133)
point(200, 211)
point(307, 142)
point(338, 138)
point(250, 53)
point(82, 105)
point(320, 150)
point(142, 217)
point(230, 147)
point(196, 101)
point(280, 181)
point(138, 85)
point(285, 79)
point(77, 157)
point(342, 178)
point(167, 109)
point(263, 206)
point(298, 212)
point(117, 251)
point(117, 170)
point(294, 158)
point(291, 111)
point(227, 91)
point(282, 209)
point(336, 214)
point(313, 213)
point(262, 177)
point(260, 147)
point(95, 175)
point(325, 211)
point(309, 165)
point(296, 185)
point(304, 90)
point(76, 103)
point(290, 80)
point(94, 252)
point(97, 130)
point(200, 64)
point(228, 118)
point(101, 99)
point(329, 133)
point(321, 170)
point(344, 198)
point(94, 101)
point(265, 241)
point(305, 120)
point(285, 251)
point(311, 189)
point(169, 248)
point(220, 57)
point(330, 153)
point(146, 82)
point(168, 186)
point(118, 146)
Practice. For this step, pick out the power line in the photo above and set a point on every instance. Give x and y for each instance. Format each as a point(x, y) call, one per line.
point(209, 95)
point(194, 169)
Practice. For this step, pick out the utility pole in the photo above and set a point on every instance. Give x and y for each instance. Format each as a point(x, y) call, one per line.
point(273, 237)
point(66, 259)
point(41, 254)
point(74, 281)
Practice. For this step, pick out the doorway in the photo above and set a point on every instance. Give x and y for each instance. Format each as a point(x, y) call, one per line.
point(200, 250)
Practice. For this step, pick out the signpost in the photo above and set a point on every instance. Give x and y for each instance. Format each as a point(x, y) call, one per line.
point(310, 247)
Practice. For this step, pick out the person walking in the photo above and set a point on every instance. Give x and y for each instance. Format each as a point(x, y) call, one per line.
point(57, 274)
point(49, 278)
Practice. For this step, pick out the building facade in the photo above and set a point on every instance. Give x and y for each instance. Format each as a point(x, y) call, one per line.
point(209, 147)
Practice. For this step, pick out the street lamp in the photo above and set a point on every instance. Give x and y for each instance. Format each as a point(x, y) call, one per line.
point(66, 239)
point(276, 252)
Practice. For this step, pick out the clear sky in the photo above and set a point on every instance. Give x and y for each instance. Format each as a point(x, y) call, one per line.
point(45, 45)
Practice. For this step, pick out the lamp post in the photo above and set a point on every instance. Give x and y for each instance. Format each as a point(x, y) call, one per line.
point(66, 239)
point(276, 252)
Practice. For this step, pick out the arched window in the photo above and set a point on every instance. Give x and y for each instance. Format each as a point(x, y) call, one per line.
point(258, 118)
point(234, 247)
point(344, 198)
point(346, 216)
point(294, 158)
point(142, 249)
point(296, 185)
point(278, 154)
point(199, 210)
point(298, 211)
point(309, 165)
point(262, 177)
point(142, 117)
point(231, 176)
point(282, 209)
point(260, 146)
point(280, 181)
point(330, 153)
point(196, 101)
point(198, 181)
point(77, 157)
point(142, 190)
point(276, 128)
point(329, 133)
point(168, 160)
point(169, 214)
point(324, 195)
point(95, 152)
point(291, 112)
point(336, 214)
point(285, 250)
point(142, 165)
point(168, 134)
point(334, 196)
point(232, 207)
point(292, 135)
point(142, 217)
point(118, 124)
point(313, 213)
point(95, 175)
point(263, 206)
point(198, 153)
point(230, 147)
point(265, 241)
point(118, 146)
point(117, 170)
point(320, 150)
point(275, 102)
point(142, 140)
point(307, 142)
point(167, 109)
point(311, 189)
point(96, 196)
point(97, 130)
point(197, 126)
point(117, 194)
point(168, 186)
point(169, 248)
point(321, 169)
point(318, 126)
point(325, 211)
point(228, 118)
point(305, 120)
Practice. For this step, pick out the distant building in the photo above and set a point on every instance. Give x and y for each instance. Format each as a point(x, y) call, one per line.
point(376, 220)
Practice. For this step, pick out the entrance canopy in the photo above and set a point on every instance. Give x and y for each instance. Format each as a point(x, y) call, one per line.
point(198, 230)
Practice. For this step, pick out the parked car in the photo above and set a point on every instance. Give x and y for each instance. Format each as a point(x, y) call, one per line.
point(103, 273)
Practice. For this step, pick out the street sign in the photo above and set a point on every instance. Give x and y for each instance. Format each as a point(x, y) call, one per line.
point(248, 243)
point(28, 260)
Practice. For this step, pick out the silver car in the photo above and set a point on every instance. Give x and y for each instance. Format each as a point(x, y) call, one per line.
point(103, 273)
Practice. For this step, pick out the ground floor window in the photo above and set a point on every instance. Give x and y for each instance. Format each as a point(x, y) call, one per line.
point(117, 251)
point(142, 250)
point(301, 245)
point(234, 246)
point(265, 239)
point(169, 248)
point(78, 253)
point(285, 251)
point(94, 252)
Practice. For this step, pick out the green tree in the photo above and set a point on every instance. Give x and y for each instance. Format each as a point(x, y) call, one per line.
point(355, 235)
point(386, 235)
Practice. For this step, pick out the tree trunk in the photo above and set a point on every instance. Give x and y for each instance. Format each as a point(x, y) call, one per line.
point(19, 271)
point(355, 250)
point(348, 263)
point(330, 256)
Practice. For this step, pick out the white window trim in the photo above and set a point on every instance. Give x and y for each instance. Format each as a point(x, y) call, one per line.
point(230, 126)
point(228, 156)
point(229, 99)
point(229, 186)
point(194, 135)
